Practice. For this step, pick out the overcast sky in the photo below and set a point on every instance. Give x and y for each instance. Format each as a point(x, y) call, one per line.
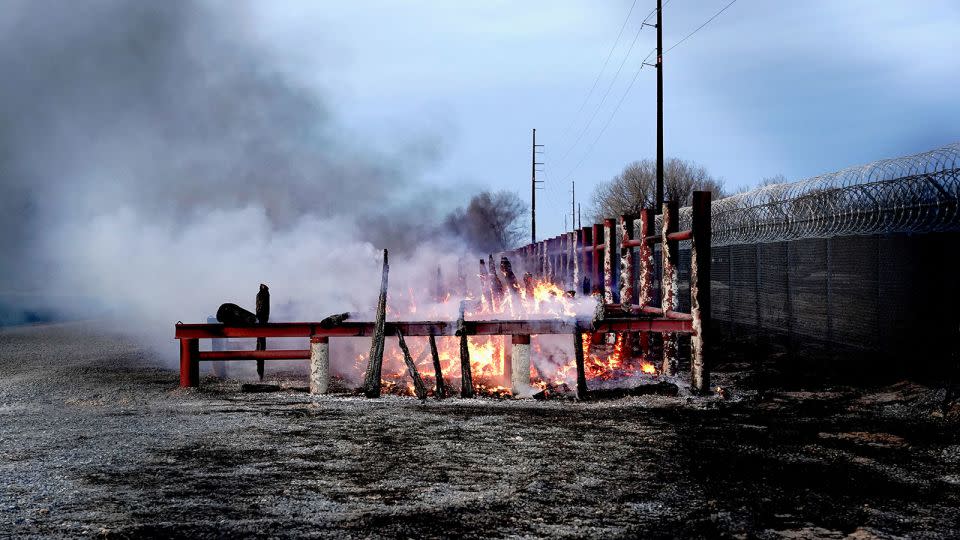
point(769, 87)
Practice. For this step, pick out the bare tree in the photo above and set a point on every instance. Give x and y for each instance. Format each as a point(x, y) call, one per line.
point(491, 222)
point(636, 187)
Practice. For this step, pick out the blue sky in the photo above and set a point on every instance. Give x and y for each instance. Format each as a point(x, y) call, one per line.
point(769, 87)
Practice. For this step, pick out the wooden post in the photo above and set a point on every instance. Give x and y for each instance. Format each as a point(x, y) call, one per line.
point(496, 286)
point(520, 378)
point(645, 260)
point(189, 363)
point(578, 355)
point(700, 292)
point(418, 387)
point(441, 391)
point(319, 364)
point(670, 284)
point(466, 375)
point(596, 269)
point(572, 261)
point(587, 267)
point(627, 276)
point(263, 316)
point(371, 383)
point(609, 270)
point(485, 297)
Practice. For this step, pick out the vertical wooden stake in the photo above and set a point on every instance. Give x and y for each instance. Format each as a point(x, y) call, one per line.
point(627, 276)
point(700, 292)
point(371, 383)
point(578, 355)
point(670, 284)
point(609, 269)
point(466, 375)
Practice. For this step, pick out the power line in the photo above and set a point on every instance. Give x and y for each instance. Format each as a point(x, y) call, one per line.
point(600, 74)
point(630, 86)
point(609, 87)
point(610, 119)
point(708, 21)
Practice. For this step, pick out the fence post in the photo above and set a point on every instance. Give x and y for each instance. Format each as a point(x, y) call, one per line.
point(189, 363)
point(670, 284)
point(627, 275)
point(587, 267)
point(700, 292)
point(609, 270)
point(596, 278)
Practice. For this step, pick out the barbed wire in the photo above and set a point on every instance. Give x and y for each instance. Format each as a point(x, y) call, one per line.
point(911, 194)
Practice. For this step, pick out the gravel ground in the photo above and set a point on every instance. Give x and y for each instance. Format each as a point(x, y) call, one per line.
point(97, 441)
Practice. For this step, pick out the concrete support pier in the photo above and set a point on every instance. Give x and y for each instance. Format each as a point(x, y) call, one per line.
point(319, 364)
point(520, 377)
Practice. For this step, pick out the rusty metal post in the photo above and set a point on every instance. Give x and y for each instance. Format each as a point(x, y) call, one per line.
point(189, 363)
point(319, 364)
point(520, 378)
point(670, 284)
point(700, 292)
point(609, 269)
point(588, 255)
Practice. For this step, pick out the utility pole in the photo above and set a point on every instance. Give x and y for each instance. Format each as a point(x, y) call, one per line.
point(659, 207)
point(533, 187)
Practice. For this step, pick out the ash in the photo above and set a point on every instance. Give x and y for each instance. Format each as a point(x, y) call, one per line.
point(98, 441)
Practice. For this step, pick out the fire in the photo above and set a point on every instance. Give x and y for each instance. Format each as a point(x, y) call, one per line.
point(503, 296)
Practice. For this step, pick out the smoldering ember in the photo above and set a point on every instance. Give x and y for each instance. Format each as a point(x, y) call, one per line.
point(292, 269)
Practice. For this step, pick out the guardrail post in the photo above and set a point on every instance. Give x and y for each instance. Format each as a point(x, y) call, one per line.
point(319, 364)
point(670, 284)
point(700, 292)
point(520, 376)
point(189, 363)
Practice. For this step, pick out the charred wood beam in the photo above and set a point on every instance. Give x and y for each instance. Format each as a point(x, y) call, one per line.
point(441, 390)
point(578, 357)
point(418, 387)
point(466, 374)
point(263, 317)
point(371, 383)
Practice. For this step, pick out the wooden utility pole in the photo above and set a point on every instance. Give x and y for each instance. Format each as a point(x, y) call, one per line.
point(533, 187)
point(659, 205)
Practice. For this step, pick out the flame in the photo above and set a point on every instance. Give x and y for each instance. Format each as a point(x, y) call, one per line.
point(552, 369)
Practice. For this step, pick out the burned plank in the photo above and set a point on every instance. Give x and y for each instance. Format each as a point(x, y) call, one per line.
point(578, 356)
point(466, 375)
point(441, 390)
point(371, 383)
point(418, 387)
point(234, 315)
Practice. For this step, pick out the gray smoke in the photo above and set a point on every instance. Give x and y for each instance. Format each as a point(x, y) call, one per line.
point(154, 159)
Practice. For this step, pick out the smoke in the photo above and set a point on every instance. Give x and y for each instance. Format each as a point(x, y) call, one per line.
point(155, 162)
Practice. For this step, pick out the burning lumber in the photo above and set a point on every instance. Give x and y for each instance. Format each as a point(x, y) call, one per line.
point(528, 286)
point(263, 316)
point(371, 382)
point(441, 391)
point(466, 376)
point(496, 286)
point(484, 286)
point(418, 387)
point(507, 269)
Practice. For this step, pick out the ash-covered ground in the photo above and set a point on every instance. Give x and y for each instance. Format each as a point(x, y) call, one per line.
point(96, 440)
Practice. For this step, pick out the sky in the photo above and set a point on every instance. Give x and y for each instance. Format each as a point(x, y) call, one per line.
point(767, 88)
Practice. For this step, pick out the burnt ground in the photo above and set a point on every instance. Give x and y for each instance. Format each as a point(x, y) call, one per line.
point(97, 441)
